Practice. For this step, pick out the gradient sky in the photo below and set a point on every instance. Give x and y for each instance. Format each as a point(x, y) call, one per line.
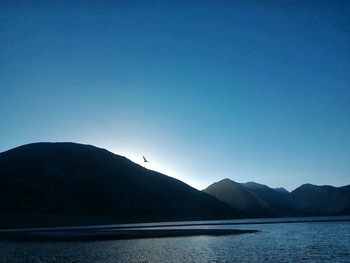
point(248, 90)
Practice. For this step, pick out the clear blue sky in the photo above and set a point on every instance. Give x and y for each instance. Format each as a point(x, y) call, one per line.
point(249, 90)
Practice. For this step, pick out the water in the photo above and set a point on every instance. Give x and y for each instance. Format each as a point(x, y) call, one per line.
point(278, 242)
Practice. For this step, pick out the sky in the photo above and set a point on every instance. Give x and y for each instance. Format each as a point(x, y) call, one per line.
point(205, 90)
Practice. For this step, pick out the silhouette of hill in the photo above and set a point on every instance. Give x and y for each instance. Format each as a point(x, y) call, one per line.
point(261, 200)
point(279, 200)
point(321, 200)
point(69, 180)
point(239, 197)
point(281, 189)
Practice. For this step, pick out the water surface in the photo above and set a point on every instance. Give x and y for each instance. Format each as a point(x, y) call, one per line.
point(276, 242)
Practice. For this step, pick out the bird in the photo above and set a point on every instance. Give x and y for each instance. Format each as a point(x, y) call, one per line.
point(145, 160)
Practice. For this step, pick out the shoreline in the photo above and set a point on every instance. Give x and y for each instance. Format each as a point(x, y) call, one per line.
point(109, 234)
point(249, 221)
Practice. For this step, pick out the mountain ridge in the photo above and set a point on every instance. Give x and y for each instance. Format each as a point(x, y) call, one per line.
point(65, 183)
point(307, 199)
point(82, 180)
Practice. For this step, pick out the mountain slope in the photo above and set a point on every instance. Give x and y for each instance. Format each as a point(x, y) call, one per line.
point(261, 200)
point(238, 196)
point(321, 200)
point(82, 180)
point(279, 200)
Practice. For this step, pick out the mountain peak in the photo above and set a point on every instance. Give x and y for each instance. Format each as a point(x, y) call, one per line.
point(227, 180)
point(281, 190)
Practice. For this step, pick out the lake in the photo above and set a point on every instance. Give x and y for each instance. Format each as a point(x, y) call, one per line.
point(278, 240)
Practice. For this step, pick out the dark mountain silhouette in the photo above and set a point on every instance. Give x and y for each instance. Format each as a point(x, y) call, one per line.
point(239, 197)
point(281, 189)
point(321, 200)
point(261, 200)
point(279, 200)
point(46, 180)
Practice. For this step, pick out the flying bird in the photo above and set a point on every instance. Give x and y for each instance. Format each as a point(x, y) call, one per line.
point(145, 160)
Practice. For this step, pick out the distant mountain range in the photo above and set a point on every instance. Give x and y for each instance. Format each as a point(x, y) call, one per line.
point(260, 200)
point(57, 184)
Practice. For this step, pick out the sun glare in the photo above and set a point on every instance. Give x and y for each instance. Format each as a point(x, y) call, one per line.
point(152, 164)
point(157, 165)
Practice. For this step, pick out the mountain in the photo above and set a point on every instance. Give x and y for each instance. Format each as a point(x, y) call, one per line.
point(321, 200)
point(281, 189)
point(44, 181)
point(261, 200)
point(280, 201)
point(239, 197)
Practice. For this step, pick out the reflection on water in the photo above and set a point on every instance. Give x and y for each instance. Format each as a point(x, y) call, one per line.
point(283, 242)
